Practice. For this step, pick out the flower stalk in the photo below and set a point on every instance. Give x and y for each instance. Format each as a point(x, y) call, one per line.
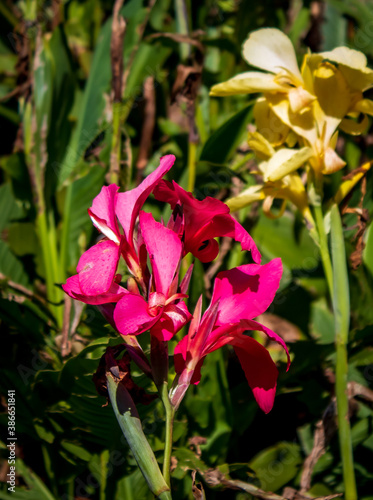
point(129, 421)
point(341, 306)
point(322, 237)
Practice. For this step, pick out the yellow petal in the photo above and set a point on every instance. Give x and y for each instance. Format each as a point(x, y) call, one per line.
point(351, 182)
point(259, 144)
point(332, 162)
point(247, 83)
point(268, 124)
point(285, 161)
point(354, 128)
point(253, 193)
point(267, 205)
point(353, 65)
point(364, 106)
point(300, 99)
point(331, 90)
point(303, 124)
point(271, 50)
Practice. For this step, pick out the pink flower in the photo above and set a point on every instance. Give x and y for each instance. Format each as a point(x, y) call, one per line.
point(239, 295)
point(95, 282)
point(204, 221)
point(164, 313)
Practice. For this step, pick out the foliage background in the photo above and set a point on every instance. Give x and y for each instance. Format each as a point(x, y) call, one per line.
point(58, 140)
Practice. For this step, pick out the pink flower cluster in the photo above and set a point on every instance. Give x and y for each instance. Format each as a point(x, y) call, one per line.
point(153, 298)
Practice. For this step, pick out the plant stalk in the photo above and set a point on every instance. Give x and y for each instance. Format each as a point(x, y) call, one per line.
point(341, 307)
point(170, 414)
point(323, 240)
point(129, 421)
point(192, 154)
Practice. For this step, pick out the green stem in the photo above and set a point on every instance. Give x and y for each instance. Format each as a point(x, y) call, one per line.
point(170, 413)
point(65, 228)
point(323, 240)
point(182, 27)
point(324, 251)
point(192, 154)
point(116, 144)
point(129, 421)
point(341, 306)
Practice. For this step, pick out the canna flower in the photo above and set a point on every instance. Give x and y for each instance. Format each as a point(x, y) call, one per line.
point(164, 312)
point(286, 186)
point(203, 222)
point(312, 103)
point(239, 295)
point(97, 279)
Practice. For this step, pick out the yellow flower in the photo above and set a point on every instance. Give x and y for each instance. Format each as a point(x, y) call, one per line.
point(326, 94)
point(279, 179)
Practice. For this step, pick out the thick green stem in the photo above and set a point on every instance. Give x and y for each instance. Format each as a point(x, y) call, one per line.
point(341, 306)
point(129, 421)
point(170, 413)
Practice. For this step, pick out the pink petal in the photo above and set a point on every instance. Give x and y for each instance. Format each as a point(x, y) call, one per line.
point(164, 249)
point(174, 317)
point(196, 212)
point(131, 315)
point(226, 225)
point(260, 370)
point(128, 204)
point(246, 291)
point(254, 325)
point(180, 354)
point(73, 289)
point(205, 220)
point(102, 212)
point(97, 268)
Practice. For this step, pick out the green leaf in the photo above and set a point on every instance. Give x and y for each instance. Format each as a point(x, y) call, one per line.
point(368, 250)
point(275, 238)
point(63, 93)
point(223, 142)
point(92, 106)
point(22, 238)
point(76, 218)
point(276, 466)
point(11, 267)
point(10, 210)
point(36, 489)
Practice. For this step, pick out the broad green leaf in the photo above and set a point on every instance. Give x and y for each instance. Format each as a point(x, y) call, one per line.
point(276, 466)
point(222, 143)
point(276, 238)
point(322, 322)
point(11, 267)
point(10, 210)
point(76, 219)
point(334, 28)
point(63, 93)
point(76, 450)
point(22, 238)
point(147, 62)
point(92, 106)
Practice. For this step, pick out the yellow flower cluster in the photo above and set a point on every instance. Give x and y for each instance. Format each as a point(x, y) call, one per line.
point(300, 111)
